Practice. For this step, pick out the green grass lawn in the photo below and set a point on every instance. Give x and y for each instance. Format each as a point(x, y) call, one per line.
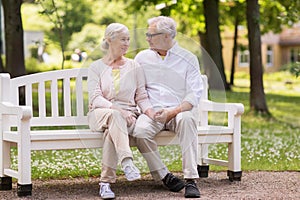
point(268, 143)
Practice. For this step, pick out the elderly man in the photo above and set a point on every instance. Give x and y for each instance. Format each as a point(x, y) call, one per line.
point(174, 86)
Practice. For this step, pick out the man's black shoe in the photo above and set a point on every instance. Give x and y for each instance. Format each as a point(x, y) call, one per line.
point(191, 190)
point(173, 183)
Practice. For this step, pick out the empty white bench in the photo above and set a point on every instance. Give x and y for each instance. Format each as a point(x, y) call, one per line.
point(17, 122)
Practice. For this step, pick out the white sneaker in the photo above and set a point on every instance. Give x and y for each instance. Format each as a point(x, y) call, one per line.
point(105, 191)
point(131, 172)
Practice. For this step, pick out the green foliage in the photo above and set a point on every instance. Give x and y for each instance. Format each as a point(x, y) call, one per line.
point(33, 51)
point(270, 12)
point(189, 16)
point(31, 20)
point(31, 65)
point(67, 17)
point(88, 39)
point(295, 69)
point(291, 11)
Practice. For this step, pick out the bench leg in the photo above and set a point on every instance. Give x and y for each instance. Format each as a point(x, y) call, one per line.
point(24, 186)
point(234, 176)
point(203, 171)
point(202, 167)
point(5, 183)
point(24, 190)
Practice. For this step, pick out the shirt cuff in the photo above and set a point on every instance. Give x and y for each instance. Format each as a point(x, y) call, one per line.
point(191, 99)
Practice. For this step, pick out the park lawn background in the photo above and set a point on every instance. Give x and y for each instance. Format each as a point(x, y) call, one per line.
point(268, 142)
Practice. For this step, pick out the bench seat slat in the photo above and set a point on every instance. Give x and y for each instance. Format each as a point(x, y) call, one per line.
point(84, 138)
point(88, 134)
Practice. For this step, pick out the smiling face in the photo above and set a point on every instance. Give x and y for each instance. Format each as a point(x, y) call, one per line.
point(119, 44)
point(155, 38)
point(158, 40)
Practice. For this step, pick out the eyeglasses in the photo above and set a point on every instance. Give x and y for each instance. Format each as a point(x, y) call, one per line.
point(149, 35)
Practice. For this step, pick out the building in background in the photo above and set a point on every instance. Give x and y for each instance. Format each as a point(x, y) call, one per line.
point(278, 50)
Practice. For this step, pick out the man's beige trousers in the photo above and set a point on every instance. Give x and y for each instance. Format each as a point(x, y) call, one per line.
point(184, 125)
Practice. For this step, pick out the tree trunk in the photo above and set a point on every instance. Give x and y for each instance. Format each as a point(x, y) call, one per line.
point(1, 42)
point(205, 60)
point(234, 50)
point(14, 46)
point(257, 95)
point(214, 45)
point(1, 64)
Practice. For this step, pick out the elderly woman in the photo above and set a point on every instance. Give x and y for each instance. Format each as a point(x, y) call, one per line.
point(116, 86)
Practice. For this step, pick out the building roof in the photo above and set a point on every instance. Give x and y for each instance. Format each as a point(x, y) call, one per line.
point(290, 37)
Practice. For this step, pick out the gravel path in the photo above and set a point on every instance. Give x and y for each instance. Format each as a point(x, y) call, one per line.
point(254, 185)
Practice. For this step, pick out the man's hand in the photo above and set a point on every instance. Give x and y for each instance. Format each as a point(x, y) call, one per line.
point(164, 115)
point(150, 113)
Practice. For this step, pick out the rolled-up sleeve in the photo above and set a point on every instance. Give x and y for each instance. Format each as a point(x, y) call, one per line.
point(194, 83)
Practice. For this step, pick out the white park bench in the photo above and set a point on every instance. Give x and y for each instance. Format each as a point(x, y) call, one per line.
point(17, 122)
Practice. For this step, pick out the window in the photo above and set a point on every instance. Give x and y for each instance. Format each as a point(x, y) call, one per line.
point(244, 58)
point(269, 56)
point(295, 55)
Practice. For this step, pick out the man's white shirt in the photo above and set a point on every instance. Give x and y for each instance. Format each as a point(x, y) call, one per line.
point(172, 79)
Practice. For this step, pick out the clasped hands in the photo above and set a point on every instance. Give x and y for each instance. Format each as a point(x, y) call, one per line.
point(163, 115)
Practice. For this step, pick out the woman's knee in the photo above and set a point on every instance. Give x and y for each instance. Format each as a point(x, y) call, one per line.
point(115, 113)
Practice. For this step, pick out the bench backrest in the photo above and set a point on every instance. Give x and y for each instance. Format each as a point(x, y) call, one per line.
point(64, 91)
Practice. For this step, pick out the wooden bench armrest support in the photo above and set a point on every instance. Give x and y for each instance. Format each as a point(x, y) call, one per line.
point(23, 112)
point(232, 108)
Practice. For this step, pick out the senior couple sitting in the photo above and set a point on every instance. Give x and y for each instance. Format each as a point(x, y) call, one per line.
point(164, 82)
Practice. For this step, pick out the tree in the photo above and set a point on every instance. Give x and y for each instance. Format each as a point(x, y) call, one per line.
point(234, 15)
point(213, 40)
point(14, 46)
point(67, 17)
point(1, 63)
point(52, 12)
point(257, 95)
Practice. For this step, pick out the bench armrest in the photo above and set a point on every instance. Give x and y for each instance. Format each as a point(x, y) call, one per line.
point(22, 112)
point(234, 110)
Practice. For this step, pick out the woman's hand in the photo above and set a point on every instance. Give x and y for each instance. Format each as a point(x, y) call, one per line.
point(129, 116)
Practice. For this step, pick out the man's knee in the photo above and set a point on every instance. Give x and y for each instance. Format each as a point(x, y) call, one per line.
point(186, 117)
point(139, 132)
point(143, 128)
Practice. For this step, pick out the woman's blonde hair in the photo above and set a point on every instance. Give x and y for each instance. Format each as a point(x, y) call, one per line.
point(111, 31)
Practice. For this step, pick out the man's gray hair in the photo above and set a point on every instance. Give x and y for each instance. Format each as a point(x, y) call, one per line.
point(111, 31)
point(164, 24)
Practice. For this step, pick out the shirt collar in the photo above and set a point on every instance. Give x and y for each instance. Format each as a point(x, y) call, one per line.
point(172, 49)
